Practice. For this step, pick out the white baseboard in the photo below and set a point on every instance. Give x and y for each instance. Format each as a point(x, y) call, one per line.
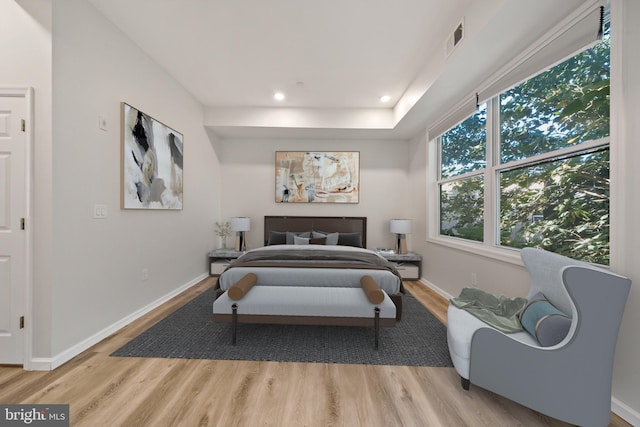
point(436, 289)
point(39, 364)
point(48, 364)
point(617, 407)
point(626, 413)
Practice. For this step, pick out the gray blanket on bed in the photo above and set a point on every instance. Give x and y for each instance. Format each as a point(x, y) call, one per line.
point(315, 259)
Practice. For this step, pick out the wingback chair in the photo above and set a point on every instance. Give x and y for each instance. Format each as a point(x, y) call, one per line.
point(570, 381)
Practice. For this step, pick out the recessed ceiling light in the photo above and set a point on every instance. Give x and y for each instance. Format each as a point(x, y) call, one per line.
point(385, 98)
point(278, 96)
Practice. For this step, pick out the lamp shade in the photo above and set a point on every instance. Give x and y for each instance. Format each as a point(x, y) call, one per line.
point(241, 224)
point(400, 226)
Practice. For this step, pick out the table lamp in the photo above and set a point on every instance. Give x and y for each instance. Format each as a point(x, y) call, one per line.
point(240, 225)
point(401, 227)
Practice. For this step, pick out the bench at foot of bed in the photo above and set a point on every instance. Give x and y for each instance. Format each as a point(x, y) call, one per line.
point(295, 305)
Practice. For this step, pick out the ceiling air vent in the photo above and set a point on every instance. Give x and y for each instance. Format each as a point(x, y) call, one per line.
point(455, 38)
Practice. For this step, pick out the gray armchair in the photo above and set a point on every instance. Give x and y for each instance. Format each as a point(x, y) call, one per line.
point(570, 381)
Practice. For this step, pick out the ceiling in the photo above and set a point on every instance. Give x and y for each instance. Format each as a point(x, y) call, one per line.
point(333, 59)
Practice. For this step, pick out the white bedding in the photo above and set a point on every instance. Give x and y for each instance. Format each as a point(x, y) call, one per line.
point(316, 277)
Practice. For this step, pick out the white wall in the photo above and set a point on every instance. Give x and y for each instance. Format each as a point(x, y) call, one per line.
point(249, 184)
point(625, 152)
point(25, 43)
point(97, 263)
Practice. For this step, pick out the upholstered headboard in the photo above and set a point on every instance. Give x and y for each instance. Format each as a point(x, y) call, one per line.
point(327, 224)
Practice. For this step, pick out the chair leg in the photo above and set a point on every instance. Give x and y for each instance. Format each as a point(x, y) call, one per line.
point(465, 383)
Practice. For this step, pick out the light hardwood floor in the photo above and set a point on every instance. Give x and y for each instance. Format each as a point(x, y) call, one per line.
point(116, 391)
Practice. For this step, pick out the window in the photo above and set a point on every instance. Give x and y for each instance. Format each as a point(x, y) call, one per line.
point(462, 168)
point(531, 166)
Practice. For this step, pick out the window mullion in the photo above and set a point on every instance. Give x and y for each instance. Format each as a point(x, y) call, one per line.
point(433, 199)
point(574, 150)
point(462, 177)
point(439, 158)
point(490, 179)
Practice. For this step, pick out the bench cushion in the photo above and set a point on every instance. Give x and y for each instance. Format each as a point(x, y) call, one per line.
point(306, 301)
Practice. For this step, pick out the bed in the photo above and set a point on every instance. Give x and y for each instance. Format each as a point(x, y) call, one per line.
point(315, 251)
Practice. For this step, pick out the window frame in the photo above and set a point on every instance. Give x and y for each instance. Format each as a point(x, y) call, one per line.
point(479, 172)
point(490, 246)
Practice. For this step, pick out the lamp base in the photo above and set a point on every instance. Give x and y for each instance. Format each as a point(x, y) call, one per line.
point(401, 244)
point(241, 245)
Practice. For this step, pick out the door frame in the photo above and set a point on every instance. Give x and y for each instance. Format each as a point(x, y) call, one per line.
point(27, 94)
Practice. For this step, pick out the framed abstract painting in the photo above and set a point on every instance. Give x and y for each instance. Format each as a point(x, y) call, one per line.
point(152, 166)
point(317, 177)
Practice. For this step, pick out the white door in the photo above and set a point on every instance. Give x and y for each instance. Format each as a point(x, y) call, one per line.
point(13, 238)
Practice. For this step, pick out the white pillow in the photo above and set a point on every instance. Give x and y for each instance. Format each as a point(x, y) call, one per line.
point(297, 240)
point(291, 235)
point(332, 238)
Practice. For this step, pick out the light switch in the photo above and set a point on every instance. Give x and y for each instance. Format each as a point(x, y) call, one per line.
point(102, 123)
point(100, 211)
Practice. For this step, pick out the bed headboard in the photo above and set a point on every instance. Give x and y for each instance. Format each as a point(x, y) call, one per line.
point(341, 224)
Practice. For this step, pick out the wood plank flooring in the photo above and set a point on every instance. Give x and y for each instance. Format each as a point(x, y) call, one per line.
point(135, 392)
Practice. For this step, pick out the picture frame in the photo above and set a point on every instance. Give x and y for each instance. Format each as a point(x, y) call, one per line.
point(317, 177)
point(152, 162)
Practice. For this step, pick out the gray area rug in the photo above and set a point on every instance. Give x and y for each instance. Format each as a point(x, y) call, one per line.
point(419, 339)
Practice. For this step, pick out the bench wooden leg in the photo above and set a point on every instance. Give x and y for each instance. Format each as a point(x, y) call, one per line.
point(234, 323)
point(376, 323)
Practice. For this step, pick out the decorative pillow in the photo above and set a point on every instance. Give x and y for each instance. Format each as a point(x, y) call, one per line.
point(277, 238)
point(297, 240)
point(318, 241)
point(545, 322)
point(332, 238)
point(350, 239)
point(291, 235)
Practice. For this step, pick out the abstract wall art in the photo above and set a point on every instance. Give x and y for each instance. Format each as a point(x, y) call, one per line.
point(317, 177)
point(152, 167)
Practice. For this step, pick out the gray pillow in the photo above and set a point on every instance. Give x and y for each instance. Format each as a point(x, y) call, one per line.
point(297, 240)
point(291, 235)
point(350, 239)
point(545, 322)
point(277, 238)
point(332, 238)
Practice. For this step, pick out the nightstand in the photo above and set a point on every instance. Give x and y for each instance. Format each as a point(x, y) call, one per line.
point(409, 265)
point(219, 259)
